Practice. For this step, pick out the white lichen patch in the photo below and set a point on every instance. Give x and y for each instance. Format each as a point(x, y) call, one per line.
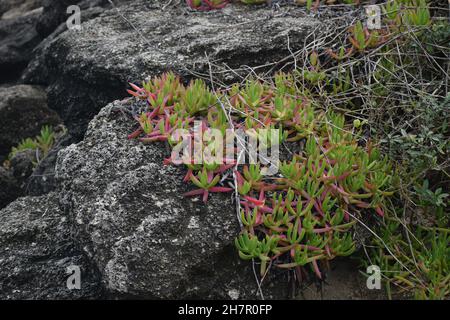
point(116, 274)
point(194, 223)
point(233, 294)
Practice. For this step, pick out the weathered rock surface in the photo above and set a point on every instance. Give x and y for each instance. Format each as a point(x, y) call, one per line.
point(9, 187)
point(18, 38)
point(10, 9)
point(36, 248)
point(23, 112)
point(55, 12)
point(7, 5)
point(85, 70)
point(22, 164)
point(25, 23)
point(146, 239)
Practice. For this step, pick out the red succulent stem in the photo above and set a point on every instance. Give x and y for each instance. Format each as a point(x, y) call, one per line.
point(316, 269)
point(205, 196)
point(379, 211)
point(251, 205)
point(188, 176)
point(194, 192)
point(135, 134)
point(318, 207)
point(224, 168)
point(339, 178)
point(323, 230)
point(220, 189)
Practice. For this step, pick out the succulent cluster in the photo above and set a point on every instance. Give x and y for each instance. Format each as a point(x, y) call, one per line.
point(405, 113)
point(41, 144)
point(304, 214)
point(207, 5)
point(333, 173)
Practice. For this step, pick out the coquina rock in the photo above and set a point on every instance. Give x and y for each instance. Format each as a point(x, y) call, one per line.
point(146, 239)
point(87, 69)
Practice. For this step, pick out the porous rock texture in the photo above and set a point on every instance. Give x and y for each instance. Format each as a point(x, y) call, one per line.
point(146, 239)
point(24, 24)
point(87, 69)
point(55, 13)
point(36, 248)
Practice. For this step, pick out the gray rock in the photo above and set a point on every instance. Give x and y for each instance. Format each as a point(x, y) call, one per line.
point(18, 38)
point(25, 23)
point(146, 239)
point(23, 112)
point(7, 5)
point(55, 13)
point(36, 248)
point(22, 164)
point(10, 9)
point(9, 187)
point(87, 69)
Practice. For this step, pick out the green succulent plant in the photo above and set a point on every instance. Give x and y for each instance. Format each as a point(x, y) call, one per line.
point(41, 144)
point(302, 223)
point(340, 117)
